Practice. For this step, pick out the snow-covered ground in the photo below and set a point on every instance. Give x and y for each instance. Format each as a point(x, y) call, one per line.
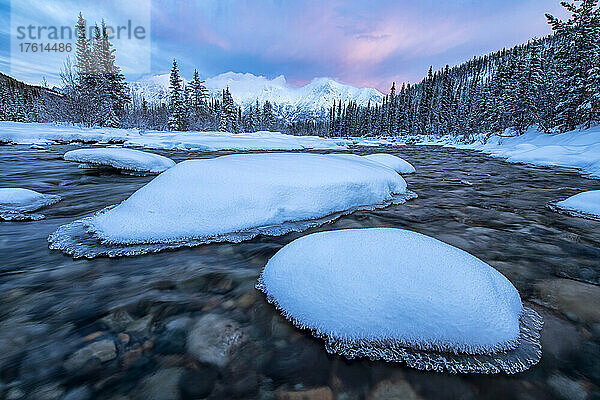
point(579, 149)
point(234, 198)
point(575, 149)
point(585, 204)
point(122, 159)
point(35, 133)
point(16, 203)
point(376, 292)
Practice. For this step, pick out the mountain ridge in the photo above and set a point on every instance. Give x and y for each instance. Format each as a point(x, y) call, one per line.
point(311, 101)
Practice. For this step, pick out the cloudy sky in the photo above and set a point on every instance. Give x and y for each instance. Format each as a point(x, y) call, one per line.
point(361, 42)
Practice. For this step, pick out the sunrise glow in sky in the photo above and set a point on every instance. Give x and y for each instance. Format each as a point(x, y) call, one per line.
point(364, 43)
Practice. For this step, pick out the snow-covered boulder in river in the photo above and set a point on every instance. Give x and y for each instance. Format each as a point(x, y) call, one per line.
point(17, 203)
point(396, 163)
point(127, 160)
point(233, 198)
point(585, 205)
point(401, 296)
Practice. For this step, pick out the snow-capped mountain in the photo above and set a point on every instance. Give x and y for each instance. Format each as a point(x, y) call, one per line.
point(310, 101)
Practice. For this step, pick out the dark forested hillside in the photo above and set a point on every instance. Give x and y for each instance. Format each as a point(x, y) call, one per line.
point(26, 103)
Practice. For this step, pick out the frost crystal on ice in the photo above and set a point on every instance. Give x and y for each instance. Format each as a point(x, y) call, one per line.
point(118, 158)
point(233, 198)
point(400, 296)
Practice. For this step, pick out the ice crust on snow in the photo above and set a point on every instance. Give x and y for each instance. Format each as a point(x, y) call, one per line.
point(43, 133)
point(585, 204)
point(233, 198)
point(398, 295)
point(119, 158)
point(396, 163)
point(17, 203)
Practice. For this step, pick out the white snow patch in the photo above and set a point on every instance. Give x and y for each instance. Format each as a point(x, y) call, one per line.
point(394, 162)
point(16, 202)
point(576, 149)
point(123, 159)
point(236, 197)
point(37, 133)
point(579, 149)
point(380, 292)
point(585, 204)
point(216, 141)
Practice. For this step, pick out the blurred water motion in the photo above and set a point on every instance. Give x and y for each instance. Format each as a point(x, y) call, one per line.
point(189, 323)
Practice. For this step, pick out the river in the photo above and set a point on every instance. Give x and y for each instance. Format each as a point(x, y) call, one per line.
point(141, 308)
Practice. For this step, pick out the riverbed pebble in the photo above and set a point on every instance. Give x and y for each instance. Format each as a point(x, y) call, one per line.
point(214, 338)
point(572, 298)
point(198, 383)
point(103, 350)
point(393, 389)
point(566, 389)
point(162, 385)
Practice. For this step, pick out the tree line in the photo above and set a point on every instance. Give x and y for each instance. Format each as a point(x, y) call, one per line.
point(95, 93)
point(551, 83)
point(190, 107)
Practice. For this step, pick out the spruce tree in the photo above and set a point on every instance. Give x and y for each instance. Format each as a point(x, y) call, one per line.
point(576, 56)
point(176, 105)
point(198, 99)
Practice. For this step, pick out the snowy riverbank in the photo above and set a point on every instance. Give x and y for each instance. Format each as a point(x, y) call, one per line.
point(576, 149)
point(37, 133)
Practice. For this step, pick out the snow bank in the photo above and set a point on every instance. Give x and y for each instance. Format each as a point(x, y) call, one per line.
point(576, 149)
point(394, 162)
point(398, 295)
point(234, 198)
point(28, 133)
point(586, 205)
point(123, 159)
point(15, 203)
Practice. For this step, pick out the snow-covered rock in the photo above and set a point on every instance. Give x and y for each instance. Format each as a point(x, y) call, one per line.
point(309, 101)
point(398, 295)
point(234, 198)
point(396, 163)
point(15, 203)
point(27, 133)
point(585, 204)
point(122, 159)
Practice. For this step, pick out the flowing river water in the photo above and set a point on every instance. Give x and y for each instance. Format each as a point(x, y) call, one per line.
point(134, 317)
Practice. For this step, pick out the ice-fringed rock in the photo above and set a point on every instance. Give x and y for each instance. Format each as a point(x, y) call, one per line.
point(585, 205)
point(127, 160)
point(396, 163)
point(233, 198)
point(400, 296)
point(16, 204)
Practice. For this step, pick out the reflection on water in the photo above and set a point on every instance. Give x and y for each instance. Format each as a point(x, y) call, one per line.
point(189, 324)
